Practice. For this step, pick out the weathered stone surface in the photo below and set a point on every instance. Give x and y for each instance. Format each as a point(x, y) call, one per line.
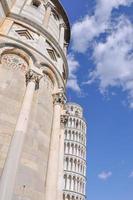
point(33, 68)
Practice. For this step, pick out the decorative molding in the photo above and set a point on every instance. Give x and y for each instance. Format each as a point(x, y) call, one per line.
point(13, 61)
point(52, 54)
point(24, 33)
point(48, 4)
point(77, 196)
point(64, 118)
point(33, 76)
point(63, 25)
point(59, 98)
point(73, 173)
point(75, 142)
point(36, 3)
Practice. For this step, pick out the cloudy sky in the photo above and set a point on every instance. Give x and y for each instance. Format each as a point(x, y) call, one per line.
point(100, 61)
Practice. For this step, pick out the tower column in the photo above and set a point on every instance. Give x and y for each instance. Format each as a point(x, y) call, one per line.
point(53, 164)
point(47, 15)
point(64, 119)
point(76, 188)
point(62, 35)
point(8, 177)
point(65, 48)
point(72, 184)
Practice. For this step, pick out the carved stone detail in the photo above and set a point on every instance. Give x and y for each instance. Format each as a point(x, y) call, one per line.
point(59, 98)
point(14, 62)
point(33, 76)
point(48, 4)
point(36, 3)
point(63, 25)
point(64, 118)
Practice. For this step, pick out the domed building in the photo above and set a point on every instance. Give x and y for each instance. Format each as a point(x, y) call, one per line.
point(34, 36)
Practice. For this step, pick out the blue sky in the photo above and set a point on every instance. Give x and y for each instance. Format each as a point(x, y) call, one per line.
point(101, 80)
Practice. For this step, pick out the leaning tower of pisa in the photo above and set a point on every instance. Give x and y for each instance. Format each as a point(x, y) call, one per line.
point(75, 154)
point(34, 35)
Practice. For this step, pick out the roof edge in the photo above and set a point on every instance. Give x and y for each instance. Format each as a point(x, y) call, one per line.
point(65, 17)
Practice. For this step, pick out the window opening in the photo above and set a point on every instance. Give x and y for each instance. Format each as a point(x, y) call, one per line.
point(52, 54)
point(25, 34)
point(36, 3)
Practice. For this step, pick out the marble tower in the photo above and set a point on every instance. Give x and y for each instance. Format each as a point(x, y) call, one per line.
point(75, 154)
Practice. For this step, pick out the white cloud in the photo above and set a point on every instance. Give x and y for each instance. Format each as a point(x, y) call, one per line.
point(73, 67)
point(85, 30)
point(131, 175)
point(114, 60)
point(104, 8)
point(104, 175)
point(73, 84)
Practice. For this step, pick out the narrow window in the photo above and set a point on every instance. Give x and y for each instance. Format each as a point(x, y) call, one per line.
point(55, 15)
point(52, 54)
point(36, 3)
point(25, 34)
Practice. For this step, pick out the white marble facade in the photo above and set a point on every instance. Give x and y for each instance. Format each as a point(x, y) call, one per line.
point(75, 154)
point(34, 35)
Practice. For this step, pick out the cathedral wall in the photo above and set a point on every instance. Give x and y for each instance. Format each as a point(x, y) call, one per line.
point(31, 38)
point(12, 89)
point(31, 175)
point(36, 148)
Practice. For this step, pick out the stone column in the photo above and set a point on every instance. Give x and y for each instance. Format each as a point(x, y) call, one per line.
point(84, 188)
point(76, 184)
point(64, 119)
point(7, 181)
point(66, 188)
point(53, 164)
point(62, 35)
point(72, 184)
point(65, 48)
point(65, 164)
point(72, 164)
point(47, 15)
point(69, 165)
point(66, 151)
point(69, 123)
